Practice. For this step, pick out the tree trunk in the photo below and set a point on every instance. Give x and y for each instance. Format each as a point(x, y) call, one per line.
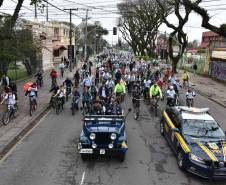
point(3, 67)
point(175, 61)
point(28, 66)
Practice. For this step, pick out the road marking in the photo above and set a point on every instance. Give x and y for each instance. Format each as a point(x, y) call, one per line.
point(21, 139)
point(83, 178)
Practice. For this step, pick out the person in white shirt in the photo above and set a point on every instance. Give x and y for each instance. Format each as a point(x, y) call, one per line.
point(87, 82)
point(11, 100)
point(190, 97)
point(171, 96)
point(61, 94)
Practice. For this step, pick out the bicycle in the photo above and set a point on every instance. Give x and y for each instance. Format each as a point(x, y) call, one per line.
point(68, 92)
point(33, 105)
point(75, 104)
point(189, 102)
point(59, 105)
point(86, 107)
point(136, 106)
point(39, 82)
point(154, 105)
point(9, 114)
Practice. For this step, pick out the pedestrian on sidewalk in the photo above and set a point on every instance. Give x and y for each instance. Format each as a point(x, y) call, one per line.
point(195, 68)
point(185, 78)
point(5, 82)
point(53, 76)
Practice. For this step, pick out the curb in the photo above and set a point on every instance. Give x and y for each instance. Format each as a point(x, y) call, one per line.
point(23, 132)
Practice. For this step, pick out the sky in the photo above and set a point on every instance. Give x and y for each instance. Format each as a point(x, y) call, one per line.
point(106, 12)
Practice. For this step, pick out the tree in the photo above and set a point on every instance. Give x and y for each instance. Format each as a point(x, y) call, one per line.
point(194, 5)
point(95, 33)
point(193, 44)
point(177, 32)
point(7, 39)
point(139, 23)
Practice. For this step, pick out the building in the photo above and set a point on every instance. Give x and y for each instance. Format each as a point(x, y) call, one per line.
point(60, 38)
point(55, 41)
point(211, 37)
point(215, 65)
point(40, 34)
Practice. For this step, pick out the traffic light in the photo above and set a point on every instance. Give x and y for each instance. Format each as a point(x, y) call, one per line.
point(114, 31)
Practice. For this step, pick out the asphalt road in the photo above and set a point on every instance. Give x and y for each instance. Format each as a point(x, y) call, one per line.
point(48, 156)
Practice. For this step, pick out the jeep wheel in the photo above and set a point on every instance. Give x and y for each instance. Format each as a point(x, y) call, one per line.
point(122, 157)
point(162, 127)
point(180, 160)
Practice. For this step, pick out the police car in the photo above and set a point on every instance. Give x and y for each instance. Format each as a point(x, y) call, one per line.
point(197, 140)
point(103, 135)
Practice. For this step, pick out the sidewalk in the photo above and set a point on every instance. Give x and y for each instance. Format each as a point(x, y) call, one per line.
point(11, 133)
point(207, 87)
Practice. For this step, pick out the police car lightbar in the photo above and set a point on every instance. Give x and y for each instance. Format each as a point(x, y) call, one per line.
point(193, 109)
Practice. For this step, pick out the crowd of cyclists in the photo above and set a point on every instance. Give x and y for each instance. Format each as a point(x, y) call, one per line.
point(103, 88)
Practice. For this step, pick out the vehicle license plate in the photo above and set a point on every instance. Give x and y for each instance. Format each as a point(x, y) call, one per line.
point(86, 151)
point(102, 151)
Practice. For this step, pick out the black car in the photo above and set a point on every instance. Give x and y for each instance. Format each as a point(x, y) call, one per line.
point(103, 135)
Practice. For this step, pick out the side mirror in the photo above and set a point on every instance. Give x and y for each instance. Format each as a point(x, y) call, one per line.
point(175, 130)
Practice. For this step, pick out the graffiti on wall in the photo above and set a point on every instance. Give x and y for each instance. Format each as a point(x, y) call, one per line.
point(218, 70)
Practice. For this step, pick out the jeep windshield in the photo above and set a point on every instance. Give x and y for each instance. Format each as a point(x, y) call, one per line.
point(202, 128)
point(110, 123)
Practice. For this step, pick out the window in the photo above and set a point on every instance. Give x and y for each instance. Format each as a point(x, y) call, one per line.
point(56, 31)
point(66, 32)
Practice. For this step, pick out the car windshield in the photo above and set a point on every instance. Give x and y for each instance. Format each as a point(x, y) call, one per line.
point(202, 128)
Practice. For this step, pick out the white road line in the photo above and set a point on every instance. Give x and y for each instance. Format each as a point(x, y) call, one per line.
point(83, 178)
point(21, 140)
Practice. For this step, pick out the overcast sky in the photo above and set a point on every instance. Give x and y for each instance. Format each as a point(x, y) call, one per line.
point(105, 11)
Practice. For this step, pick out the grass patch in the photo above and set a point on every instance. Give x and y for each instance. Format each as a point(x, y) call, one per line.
point(21, 73)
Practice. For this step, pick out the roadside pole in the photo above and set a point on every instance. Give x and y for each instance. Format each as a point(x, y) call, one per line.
point(85, 52)
point(70, 37)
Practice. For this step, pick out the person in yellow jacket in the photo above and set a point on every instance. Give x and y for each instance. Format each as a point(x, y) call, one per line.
point(155, 91)
point(120, 90)
point(185, 78)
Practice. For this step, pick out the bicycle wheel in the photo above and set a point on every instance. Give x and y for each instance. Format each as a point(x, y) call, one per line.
point(156, 109)
point(6, 118)
point(57, 108)
point(31, 109)
point(16, 111)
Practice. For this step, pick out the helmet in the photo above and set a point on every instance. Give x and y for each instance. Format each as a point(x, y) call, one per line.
point(171, 87)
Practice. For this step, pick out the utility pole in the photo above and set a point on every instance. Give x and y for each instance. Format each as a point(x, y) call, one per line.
point(47, 11)
point(70, 37)
point(35, 10)
point(87, 11)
